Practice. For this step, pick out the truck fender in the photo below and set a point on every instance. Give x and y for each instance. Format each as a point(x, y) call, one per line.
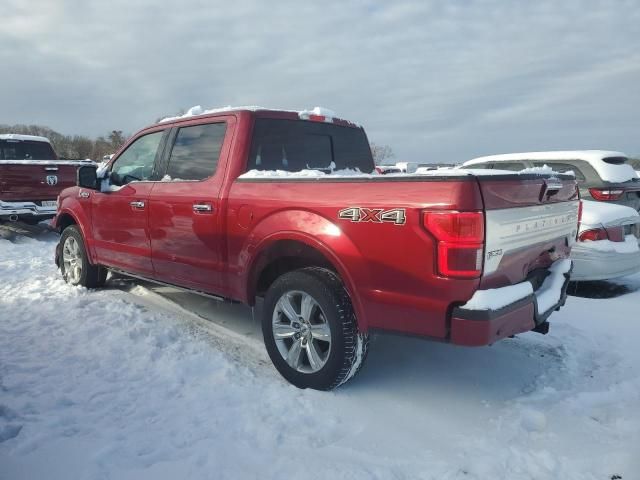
point(313, 231)
point(77, 215)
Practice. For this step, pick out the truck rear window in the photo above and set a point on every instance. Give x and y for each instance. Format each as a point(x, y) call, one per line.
point(25, 150)
point(294, 145)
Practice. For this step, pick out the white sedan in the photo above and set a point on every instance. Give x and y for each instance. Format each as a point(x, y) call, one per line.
point(607, 245)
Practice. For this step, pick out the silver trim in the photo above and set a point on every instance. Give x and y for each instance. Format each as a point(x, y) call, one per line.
point(202, 207)
point(25, 208)
point(511, 229)
point(159, 282)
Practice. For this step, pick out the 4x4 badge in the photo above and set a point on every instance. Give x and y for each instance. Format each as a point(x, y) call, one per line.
point(396, 216)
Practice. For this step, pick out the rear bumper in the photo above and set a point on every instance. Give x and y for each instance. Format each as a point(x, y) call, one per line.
point(590, 264)
point(25, 209)
point(486, 326)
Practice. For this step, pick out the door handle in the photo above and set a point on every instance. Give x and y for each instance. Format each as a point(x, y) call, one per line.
point(202, 207)
point(137, 204)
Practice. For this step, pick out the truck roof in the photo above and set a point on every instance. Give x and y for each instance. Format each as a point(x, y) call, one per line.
point(26, 138)
point(588, 155)
point(317, 113)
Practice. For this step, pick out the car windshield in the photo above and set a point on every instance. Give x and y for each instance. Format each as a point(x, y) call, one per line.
point(25, 150)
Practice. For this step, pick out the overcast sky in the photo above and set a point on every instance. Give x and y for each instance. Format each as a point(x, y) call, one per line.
point(437, 81)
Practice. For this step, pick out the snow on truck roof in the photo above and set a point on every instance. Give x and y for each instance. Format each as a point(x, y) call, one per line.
point(23, 138)
point(607, 170)
point(326, 114)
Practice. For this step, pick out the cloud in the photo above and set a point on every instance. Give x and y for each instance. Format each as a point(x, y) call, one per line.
point(438, 81)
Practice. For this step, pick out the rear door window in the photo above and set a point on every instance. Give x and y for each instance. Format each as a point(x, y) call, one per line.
point(195, 152)
point(294, 145)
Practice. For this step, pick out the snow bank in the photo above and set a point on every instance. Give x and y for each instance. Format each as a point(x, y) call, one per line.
point(103, 384)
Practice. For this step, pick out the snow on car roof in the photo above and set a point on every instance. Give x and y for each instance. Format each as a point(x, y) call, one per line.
point(304, 114)
point(19, 137)
point(608, 172)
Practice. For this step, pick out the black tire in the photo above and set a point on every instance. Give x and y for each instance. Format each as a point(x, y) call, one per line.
point(91, 276)
point(348, 348)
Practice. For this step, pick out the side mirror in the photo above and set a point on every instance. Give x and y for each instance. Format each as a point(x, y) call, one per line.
point(87, 177)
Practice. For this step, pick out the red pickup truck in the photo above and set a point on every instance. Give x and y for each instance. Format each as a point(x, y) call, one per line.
point(31, 177)
point(249, 203)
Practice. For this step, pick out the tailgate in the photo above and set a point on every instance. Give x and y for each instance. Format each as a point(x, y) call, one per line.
point(531, 221)
point(36, 180)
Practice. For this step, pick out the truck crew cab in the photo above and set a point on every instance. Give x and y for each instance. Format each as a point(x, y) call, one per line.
point(248, 202)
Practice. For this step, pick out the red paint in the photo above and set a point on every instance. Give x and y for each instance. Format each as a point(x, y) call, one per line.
point(475, 333)
point(389, 269)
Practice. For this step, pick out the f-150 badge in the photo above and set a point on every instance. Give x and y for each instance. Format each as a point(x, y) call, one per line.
point(396, 216)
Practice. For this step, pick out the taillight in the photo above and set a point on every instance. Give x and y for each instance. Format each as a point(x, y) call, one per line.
point(615, 234)
point(606, 194)
point(460, 237)
point(593, 235)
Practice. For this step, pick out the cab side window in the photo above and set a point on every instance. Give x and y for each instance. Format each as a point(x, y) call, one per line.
point(196, 152)
point(137, 161)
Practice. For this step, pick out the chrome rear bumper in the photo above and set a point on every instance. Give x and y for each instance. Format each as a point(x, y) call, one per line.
point(25, 209)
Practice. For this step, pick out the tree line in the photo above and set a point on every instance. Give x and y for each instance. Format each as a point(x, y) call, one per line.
point(73, 146)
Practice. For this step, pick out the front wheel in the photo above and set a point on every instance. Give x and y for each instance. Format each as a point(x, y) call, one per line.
point(74, 263)
point(310, 330)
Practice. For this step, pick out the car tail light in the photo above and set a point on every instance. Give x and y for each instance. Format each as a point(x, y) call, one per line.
point(460, 237)
point(616, 234)
point(606, 194)
point(593, 235)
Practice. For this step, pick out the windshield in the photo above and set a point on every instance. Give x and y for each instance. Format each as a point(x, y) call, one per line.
point(295, 145)
point(25, 150)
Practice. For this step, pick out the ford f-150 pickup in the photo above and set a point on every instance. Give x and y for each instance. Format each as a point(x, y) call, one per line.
point(248, 202)
point(31, 177)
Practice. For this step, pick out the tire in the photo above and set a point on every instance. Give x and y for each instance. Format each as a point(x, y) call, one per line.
point(317, 344)
point(74, 264)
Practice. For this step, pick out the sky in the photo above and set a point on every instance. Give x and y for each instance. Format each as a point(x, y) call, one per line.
point(437, 81)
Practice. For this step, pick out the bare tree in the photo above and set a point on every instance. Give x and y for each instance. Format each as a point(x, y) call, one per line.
point(381, 153)
point(72, 146)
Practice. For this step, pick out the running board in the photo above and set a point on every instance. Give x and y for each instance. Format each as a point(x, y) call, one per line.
point(165, 284)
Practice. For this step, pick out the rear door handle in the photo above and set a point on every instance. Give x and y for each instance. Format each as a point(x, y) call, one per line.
point(137, 204)
point(202, 207)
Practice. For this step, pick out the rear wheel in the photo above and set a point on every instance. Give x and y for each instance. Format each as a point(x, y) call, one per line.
point(310, 330)
point(74, 263)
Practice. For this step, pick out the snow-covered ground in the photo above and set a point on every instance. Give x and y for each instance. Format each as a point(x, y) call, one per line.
point(124, 383)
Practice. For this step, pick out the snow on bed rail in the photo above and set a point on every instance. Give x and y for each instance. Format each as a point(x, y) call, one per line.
point(449, 172)
point(307, 173)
